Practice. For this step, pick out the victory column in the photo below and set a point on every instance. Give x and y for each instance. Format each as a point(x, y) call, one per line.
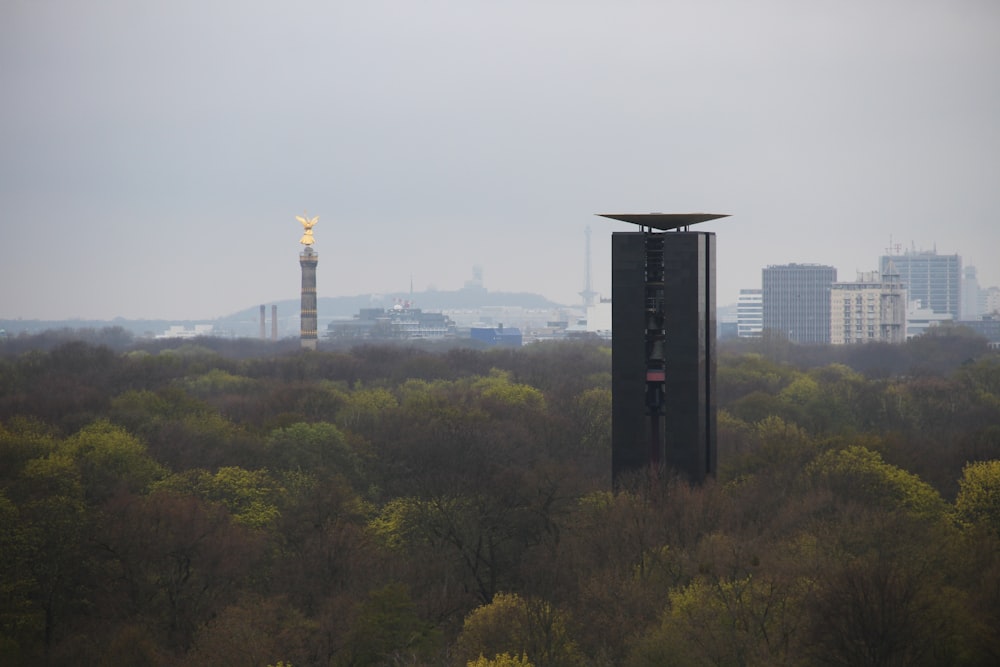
point(308, 259)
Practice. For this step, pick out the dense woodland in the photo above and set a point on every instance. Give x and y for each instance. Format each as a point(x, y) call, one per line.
point(232, 503)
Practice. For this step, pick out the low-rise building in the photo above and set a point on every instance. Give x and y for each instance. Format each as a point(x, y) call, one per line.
point(920, 318)
point(401, 322)
point(183, 331)
point(988, 327)
point(498, 336)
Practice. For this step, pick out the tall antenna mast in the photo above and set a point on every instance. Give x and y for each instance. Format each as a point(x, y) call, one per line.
point(588, 294)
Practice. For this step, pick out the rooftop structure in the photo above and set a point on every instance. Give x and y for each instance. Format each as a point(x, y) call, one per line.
point(664, 221)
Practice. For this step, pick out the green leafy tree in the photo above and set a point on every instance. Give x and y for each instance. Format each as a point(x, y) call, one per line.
point(218, 381)
point(111, 460)
point(48, 544)
point(319, 447)
point(514, 625)
point(740, 375)
point(251, 496)
point(20, 618)
point(744, 621)
point(181, 431)
point(500, 390)
point(22, 439)
point(483, 537)
point(758, 406)
point(365, 408)
point(881, 594)
point(173, 561)
point(388, 630)
point(593, 413)
point(251, 632)
point(325, 548)
point(770, 446)
point(978, 501)
point(859, 475)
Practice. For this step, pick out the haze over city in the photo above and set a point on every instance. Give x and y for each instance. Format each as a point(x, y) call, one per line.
point(153, 156)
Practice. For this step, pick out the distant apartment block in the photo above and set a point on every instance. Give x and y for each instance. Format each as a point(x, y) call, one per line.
point(991, 301)
point(750, 313)
point(796, 301)
point(934, 280)
point(869, 310)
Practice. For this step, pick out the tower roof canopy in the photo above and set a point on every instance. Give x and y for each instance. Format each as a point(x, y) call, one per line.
point(664, 221)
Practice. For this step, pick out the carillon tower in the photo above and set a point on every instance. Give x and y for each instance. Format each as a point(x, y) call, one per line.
point(308, 259)
point(663, 347)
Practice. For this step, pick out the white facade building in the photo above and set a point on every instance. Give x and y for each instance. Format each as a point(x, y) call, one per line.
point(920, 318)
point(181, 331)
point(750, 313)
point(599, 318)
point(870, 310)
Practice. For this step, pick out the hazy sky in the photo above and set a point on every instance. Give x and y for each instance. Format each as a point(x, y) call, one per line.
point(154, 155)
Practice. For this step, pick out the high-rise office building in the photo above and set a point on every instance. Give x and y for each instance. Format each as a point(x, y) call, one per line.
point(869, 310)
point(796, 301)
point(750, 313)
point(934, 280)
point(972, 297)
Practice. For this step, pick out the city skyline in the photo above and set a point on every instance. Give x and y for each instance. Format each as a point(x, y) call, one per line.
point(155, 156)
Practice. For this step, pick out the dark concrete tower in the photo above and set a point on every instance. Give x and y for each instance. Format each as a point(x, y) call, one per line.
point(663, 347)
point(274, 323)
point(308, 259)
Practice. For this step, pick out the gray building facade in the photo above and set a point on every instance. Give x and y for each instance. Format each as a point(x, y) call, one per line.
point(796, 301)
point(934, 280)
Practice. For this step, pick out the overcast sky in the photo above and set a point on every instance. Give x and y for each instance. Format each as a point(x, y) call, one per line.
point(154, 155)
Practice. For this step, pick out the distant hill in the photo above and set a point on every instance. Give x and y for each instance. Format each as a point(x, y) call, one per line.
point(246, 322)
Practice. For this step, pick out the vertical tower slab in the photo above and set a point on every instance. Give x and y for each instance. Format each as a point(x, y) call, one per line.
point(663, 348)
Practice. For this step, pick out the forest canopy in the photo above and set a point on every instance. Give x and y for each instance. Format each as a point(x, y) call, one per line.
point(203, 504)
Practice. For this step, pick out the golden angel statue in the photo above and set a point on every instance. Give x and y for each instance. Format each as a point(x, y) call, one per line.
point(308, 223)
